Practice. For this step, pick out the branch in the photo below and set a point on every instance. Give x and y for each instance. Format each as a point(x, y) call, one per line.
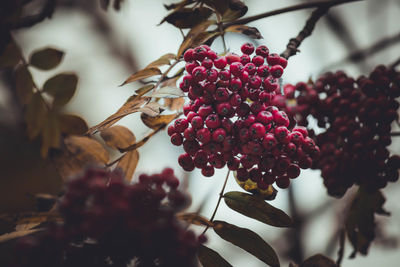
point(294, 43)
point(315, 4)
point(342, 238)
point(28, 21)
point(395, 134)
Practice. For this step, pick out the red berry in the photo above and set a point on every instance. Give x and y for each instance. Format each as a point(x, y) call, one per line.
point(186, 162)
point(176, 139)
point(203, 135)
point(188, 55)
point(181, 125)
point(220, 62)
point(171, 130)
point(293, 171)
point(262, 50)
point(257, 130)
point(283, 182)
point(219, 135)
point(276, 71)
point(273, 59)
point(247, 48)
point(197, 122)
point(213, 121)
point(207, 171)
point(258, 60)
point(200, 159)
point(265, 117)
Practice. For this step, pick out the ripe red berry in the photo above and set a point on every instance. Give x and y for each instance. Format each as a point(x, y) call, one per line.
point(176, 139)
point(220, 62)
point(273, 59)
point(186, 162)
point(258, 60)
point(262, 50)
point(203, 135)
point(219, 135)
point(247, 48)
point(207, 171)
point(276, 71)
point(181, 125)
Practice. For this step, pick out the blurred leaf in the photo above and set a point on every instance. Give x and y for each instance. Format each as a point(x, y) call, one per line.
point(46, 59)
point(142, 74)
point(247, 240)
point(23, 84)
point(174, 103)
point(104, 4)
point(151, 109)
point(62, 87)
point(18, 234)
point(132, 105)
point(205, 37)
point(318, 260)
point(157, 121)
point(256, 208)
point(10, 56)
point(210, 258)
point(229, 9)
point(168, 92)
point(184, 18)
point(35, 115)
point(194, 218)
point(34, 219)
point(163, 60)
point(252, 32)
point(143, 90)
point(292, 264)
point(128, 164)
point(51, 133)
point(191, 36)
point(118, 137)
point(78, 153)
point(72, 124)
point(360, 222)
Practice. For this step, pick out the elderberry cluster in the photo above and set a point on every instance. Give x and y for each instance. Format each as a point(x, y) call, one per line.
point(230, 120)
point(107, 222)
point(356, 118)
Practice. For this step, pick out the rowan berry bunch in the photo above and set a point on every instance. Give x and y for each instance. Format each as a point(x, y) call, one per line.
point(110, 223)
point(356, 116)
point(230, 120)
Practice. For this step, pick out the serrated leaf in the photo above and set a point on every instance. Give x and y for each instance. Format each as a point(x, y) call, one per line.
point(151, 109)
point(191, 36)
point(247, 240)
point(18, 234)
point(46, 59)
point(23, 84)
point(256, 208)
point(194, 218)
point(79, 151)
point(132, 105)
point(184, 18)
point(35, 115)
point(128, 164)
point(163, 60)
point(51, 133)
point(72, 124)
point(62, 87)
point(360, 221)
point(157, 121)
point(168, 92)
point(11, 55)
point(210, 258)
point(252, 32)
point(174, 103)
point(142, 74)
point(118, 137)
point(318, 260)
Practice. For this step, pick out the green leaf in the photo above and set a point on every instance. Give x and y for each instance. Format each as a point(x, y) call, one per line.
point(23, 84)
point(360, 221)
point(256, 208)
point(247, 240)
point(252, 32)
point(185, 18)
point(142, 74)
point(210, 258)
point(62, 87)
point(46, 59)
point(35, 115)
point(318, 260)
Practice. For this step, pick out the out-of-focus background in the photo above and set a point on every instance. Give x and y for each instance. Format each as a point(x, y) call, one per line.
point(105, 47)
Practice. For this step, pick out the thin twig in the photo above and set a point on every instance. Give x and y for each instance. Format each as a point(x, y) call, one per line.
point(221, 194)
point(395, 134)
point(342, 238)
point(28, 21)
point(288, 9)
point(294, 43)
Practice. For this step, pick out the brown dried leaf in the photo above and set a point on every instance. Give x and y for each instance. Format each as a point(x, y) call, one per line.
point(72, 124)
point(23, 84)
point(191, 36)
point(168, 92)
point(318, 260)
point(185, 18)
point(35, 115)
point(128, 164)
point(10, 56)
point(51, 133)
point(62, 87)
point(194, 218)
point(151, 109)
point(80, 151)
point(163, 60)
point(143, 90)
point(46, 59)
point(252, 32)
point(118, 137)
point(142, 74)
point(133, 105)
point(236, 10)
point(174, 103)
point(210, 258)
point(157, 121)
point(17, 234)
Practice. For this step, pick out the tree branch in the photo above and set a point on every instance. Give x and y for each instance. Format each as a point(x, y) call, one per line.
point(314, 4)
point(28, 21)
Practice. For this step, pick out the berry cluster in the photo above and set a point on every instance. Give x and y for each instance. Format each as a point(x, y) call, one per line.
point(230, 120)
point(356, 118)
point(110, 223)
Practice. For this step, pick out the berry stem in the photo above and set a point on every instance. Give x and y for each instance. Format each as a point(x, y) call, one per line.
point(221, 194)
point(221, 30)
point(288, 9)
